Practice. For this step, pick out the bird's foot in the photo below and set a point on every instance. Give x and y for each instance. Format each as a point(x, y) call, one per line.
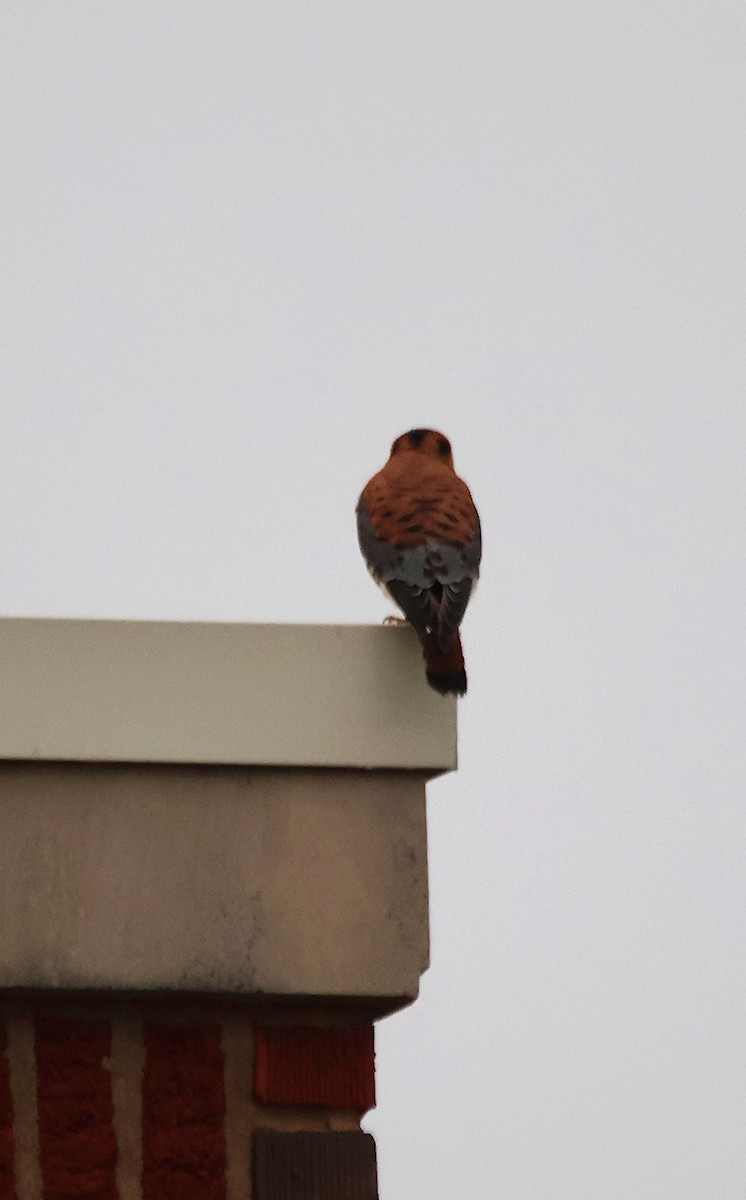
point(395, 620)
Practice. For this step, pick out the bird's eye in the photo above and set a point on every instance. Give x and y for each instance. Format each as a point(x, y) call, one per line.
point(444, 447)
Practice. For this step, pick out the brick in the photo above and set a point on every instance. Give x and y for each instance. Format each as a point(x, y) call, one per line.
point(325, 1065)
point(77, 1145)
point(7, 1147)
point(313, 1166)
point(183, 1113)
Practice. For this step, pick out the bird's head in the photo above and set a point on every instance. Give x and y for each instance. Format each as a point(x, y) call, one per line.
point(424, 441)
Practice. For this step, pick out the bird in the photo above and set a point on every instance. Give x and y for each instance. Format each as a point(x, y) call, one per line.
point(421, 539)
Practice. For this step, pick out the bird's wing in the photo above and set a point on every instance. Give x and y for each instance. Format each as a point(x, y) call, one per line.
point(431, 582)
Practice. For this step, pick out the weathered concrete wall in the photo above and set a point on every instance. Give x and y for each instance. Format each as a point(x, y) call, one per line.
point(212, 879)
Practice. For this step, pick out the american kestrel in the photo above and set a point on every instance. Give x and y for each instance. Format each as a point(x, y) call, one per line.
point(420, 536)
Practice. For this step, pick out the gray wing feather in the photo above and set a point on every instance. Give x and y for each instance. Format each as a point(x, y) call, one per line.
point(432, 562)
point(451, 611)
point(382, 559)
point(410, 575)
point(417, 604)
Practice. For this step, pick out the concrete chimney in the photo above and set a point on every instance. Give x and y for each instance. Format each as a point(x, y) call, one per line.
point(213, 882)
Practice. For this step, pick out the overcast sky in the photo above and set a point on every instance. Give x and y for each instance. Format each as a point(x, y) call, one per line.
point(246, 245)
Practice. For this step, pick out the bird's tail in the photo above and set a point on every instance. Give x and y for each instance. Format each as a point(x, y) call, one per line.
point(445, 669)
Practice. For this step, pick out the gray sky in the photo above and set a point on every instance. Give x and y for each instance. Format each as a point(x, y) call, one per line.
point(246, 245)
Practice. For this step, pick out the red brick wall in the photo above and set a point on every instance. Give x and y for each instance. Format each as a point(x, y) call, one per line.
point(7, 1141)
point(77, 1146)
point(183, 1113)
point(177, 1110)
point(326, 1065)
